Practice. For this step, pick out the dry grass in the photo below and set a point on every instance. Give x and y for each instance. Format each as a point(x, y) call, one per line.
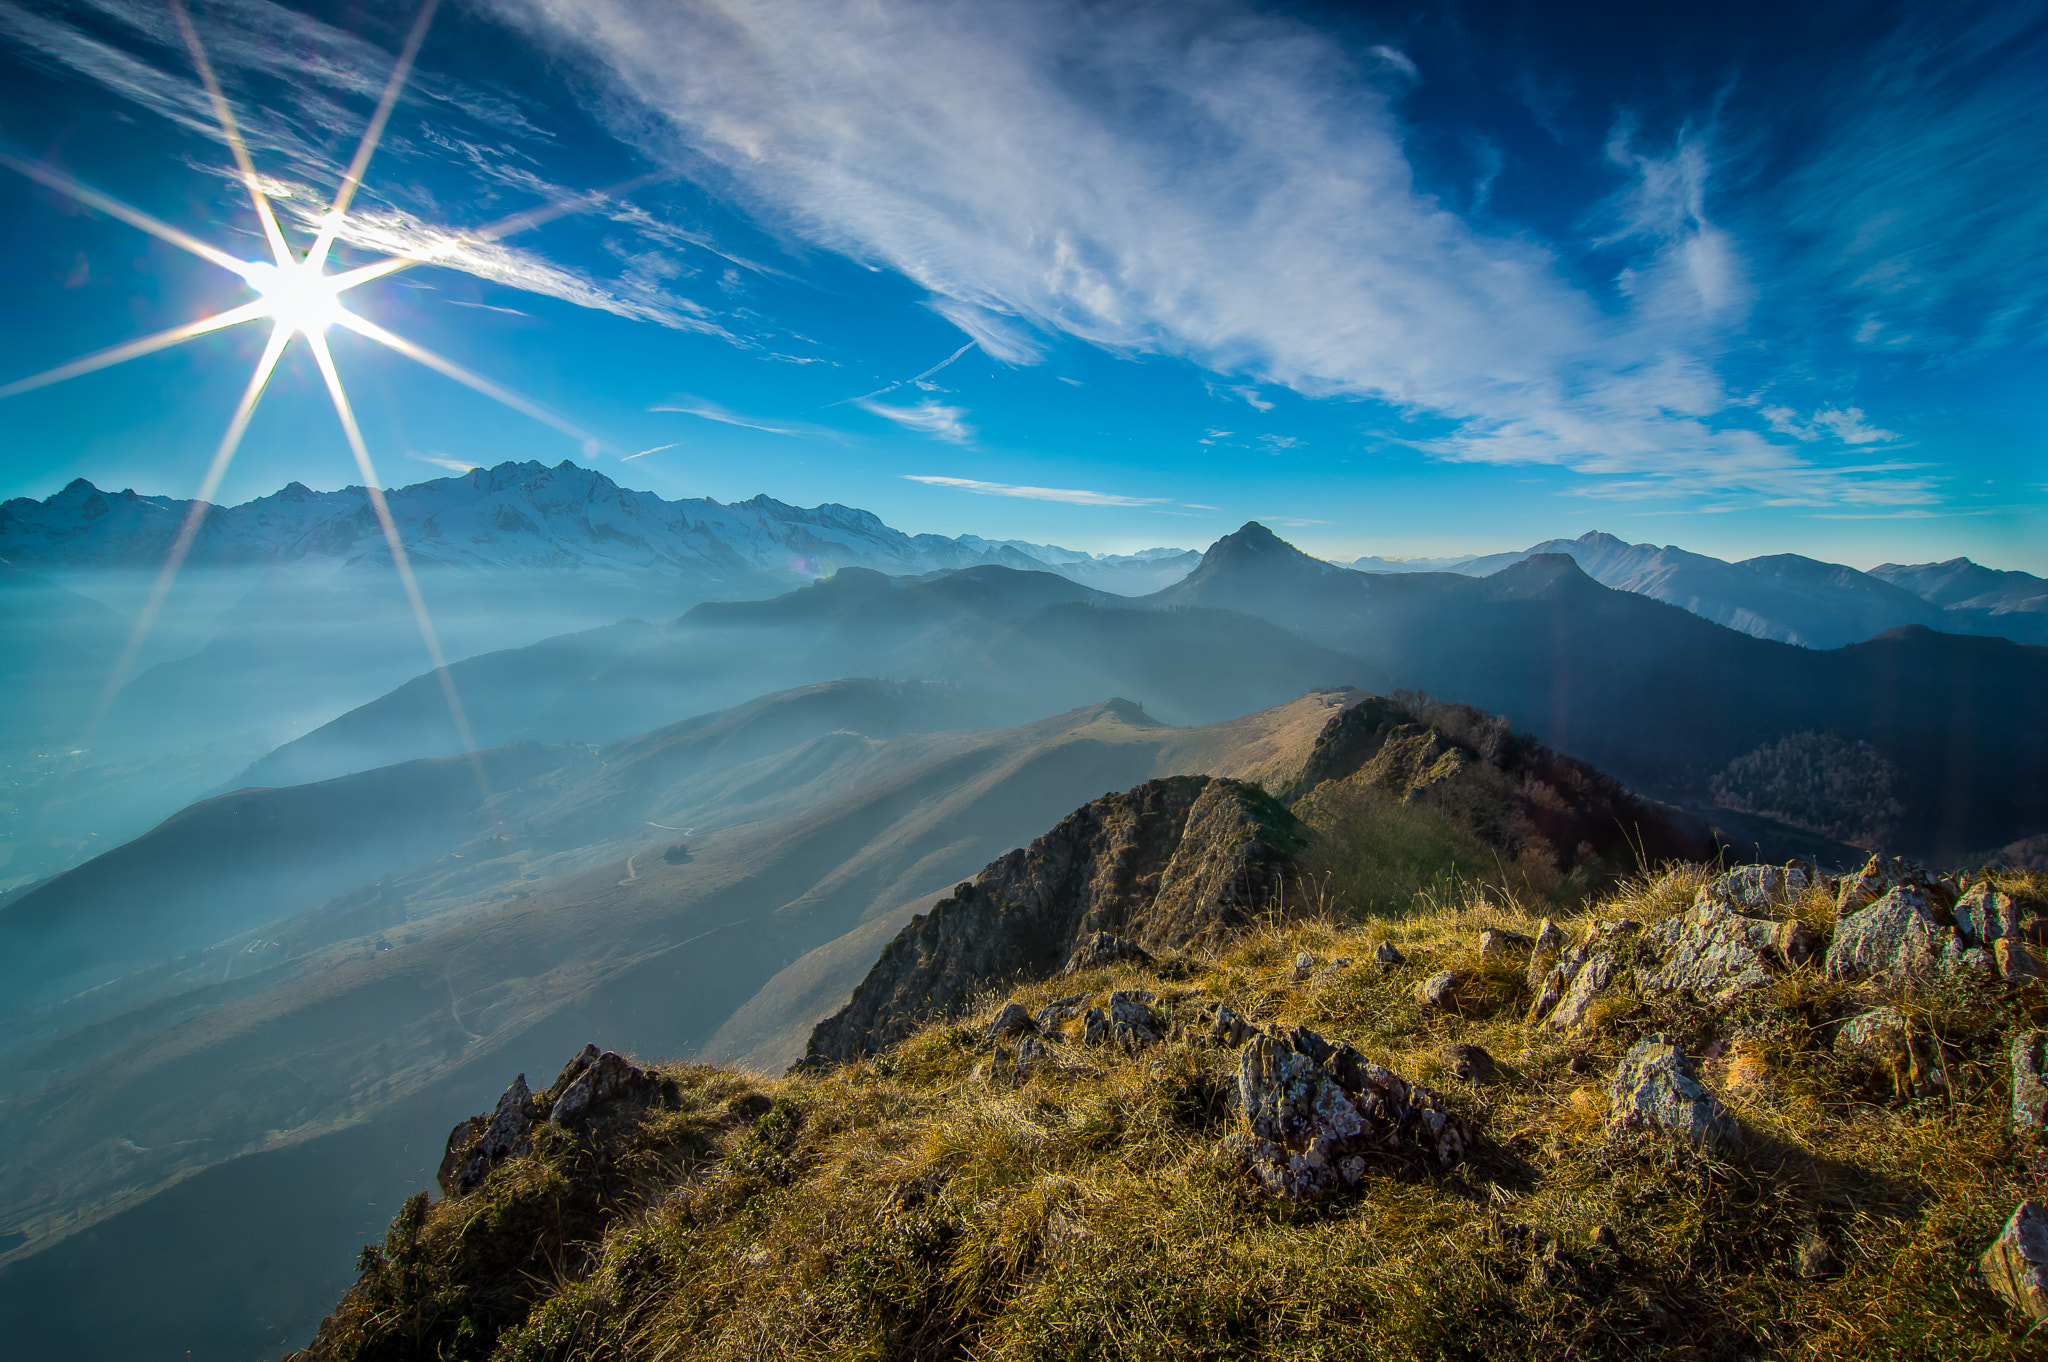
point(912, 1206)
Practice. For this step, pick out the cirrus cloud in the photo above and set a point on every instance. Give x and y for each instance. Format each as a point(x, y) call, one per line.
point(1073, 496)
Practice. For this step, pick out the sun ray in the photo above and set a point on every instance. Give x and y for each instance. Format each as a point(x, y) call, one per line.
point(195, 515)
point(331, 224)
point(272, 233)
point(135, 349)
point(362, 326)
point(393, 541)
point(114, 208)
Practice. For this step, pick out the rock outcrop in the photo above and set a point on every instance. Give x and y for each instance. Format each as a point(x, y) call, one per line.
point(1655, 1088)
point(2030, 1083)
point(1184, 861)
point(1898, 935)
point(479, 1144)
point(2016, 1264)
point(1884, 1044)
point(1318, 1117)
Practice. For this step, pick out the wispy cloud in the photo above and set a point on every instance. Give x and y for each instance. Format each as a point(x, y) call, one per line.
point(443, 461)
point(486, 307)
point(627, 458)
point(1073, 496)
point(707, 410)
point(1247, 393)
point(1034, 167)
point(926, 418)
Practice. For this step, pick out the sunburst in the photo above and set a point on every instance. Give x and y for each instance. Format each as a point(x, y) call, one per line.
point(301, 298)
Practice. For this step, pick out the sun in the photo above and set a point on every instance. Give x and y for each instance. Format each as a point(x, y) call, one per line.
point(301, 299)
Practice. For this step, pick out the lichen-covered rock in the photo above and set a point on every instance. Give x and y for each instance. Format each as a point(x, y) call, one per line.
point(1709, 953)
point(1224, 1027)
point(1655, 1088)
point(591, 1079)
point(1495, 942)
point(1439, 990)
point(1314, 1127)
point(1102, 948)
point(2016, 1264)
point(1054, 1016)
point(1588, 983)
point(1133, 1024)
point(2030, 1083)
point(1884, 1044)
point(1095, 1027)
point(2016, 961)
point(1882, 874)
point(1763, 888)
point(1896, 936)
point(1549, 944)
point(479, 1144)
point(1984, 915)
point(1013, 1020)
point(1304, 966)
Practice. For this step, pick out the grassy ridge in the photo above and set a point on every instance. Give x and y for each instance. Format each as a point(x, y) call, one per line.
point(916, 1205)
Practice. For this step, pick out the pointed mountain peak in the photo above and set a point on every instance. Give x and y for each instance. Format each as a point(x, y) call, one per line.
point(1540, 575)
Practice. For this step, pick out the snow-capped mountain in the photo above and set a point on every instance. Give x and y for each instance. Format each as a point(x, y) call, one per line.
point(1788, 597)
point(526, 515)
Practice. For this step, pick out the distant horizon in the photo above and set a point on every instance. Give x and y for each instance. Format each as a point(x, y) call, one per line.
point(1306, 543)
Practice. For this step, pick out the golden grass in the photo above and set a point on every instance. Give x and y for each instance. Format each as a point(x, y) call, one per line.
point(914, 1206)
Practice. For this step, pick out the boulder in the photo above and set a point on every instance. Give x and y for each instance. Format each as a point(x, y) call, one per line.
point(2030, 1083)
point(1896, 936)
point(1471, 1063)
point(2016, 961)
point(1984, 915)
point(1101, 948)
point(1304, 966)
point(2016, 1264)
point(1763, 888)
point(1312, 1127)
point(1013, 1020)
point(1438, 991)
point(592, 1079)
point(1882, 874)
point(1225, 1027)
point(478, 1145)
point(1133, 1024)
point(1884, 1044)
point(1956, 958)
point(1709, 953)
point(1095, 1027)
point(1493, 942)
point(1053, 1017)
point(1588, 982)
point(1387, 956)
point(1655, 1088)
point(1550, 943)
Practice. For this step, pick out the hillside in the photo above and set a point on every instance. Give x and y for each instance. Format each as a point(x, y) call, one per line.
point(1705, 1114)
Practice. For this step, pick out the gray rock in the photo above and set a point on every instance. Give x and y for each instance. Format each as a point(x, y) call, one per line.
point(1763, 888)
point(2030, 1083)
point(592, 1079)
point(1655, 1088)
point(1709, 953)
point(1588, 983)
point(1471, 1063)
point(1896, 936)
point(1101, 948)
point(1549, 993)
point(1304, 966)
point(1055, 1015)
point(2017, 963)
point(1984, 915)
point(1549, 944)
point(1438, 991)
point(1133, 1024)
point(1095, 1027)
point(1308, 1043)
point(1225, 1027)
point(1013, 1020)
point(1884, 1044)
point(479, 1144)
point(1387, 956)
point(2016, 1264)
point(1879, 876)
point(1312, 1128)
point(1494, 942)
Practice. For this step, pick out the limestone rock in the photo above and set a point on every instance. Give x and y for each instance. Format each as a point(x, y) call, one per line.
point(1896, 936)
point(1494, 942)
point(1984, 915)
point(1550, 943)
point(1095, 1027)
point(1763, 888)
point(1013, 1020)
point(1388, 956)
point(1225, 1027)
point(1315, 1127)
point(2016, 1264)
point(1053, 1017)
point(2030, 1083)
point(1133, 1024)
point(590, 1080)
point(1709, 953)
point(1438, 991)
point(1102, 948)
point(1879, 876)
point(478, 1145)
point(1588, 983)
point(1655, 1088)
point(1471, 1063)
point(1885, 1044)
point(1304, 966)
point(2017, 963)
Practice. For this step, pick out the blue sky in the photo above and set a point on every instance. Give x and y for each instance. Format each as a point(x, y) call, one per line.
point(1395, 279)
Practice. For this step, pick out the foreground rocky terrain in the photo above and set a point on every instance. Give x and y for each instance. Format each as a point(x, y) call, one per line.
point(1128, 1094)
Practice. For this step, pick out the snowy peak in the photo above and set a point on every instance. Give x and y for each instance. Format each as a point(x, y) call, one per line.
point(527, 515)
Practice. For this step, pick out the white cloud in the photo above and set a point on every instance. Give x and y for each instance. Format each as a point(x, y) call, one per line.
point(927, 418)
point(1850, 428)
point(1071, 495)
point(1203, 180)
point(442, 461)
point(1248, 393)
point(707, 410)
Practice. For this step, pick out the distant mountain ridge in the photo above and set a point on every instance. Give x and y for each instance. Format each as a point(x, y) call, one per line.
point(1786, 596)
point(526, 515)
